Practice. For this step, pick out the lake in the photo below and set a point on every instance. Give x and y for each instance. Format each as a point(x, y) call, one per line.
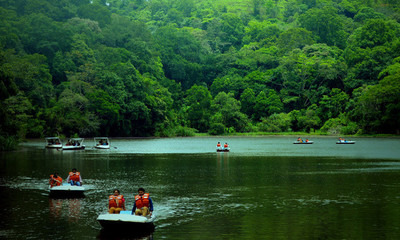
point(265, 188)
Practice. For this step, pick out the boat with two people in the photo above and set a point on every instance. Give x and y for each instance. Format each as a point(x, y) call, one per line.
point(125, 220)
point(344, 141)
point(224, 148)
point(58, 189)
point(101, 143)
point(53, 143)
point(74, 144)
point(301, 141)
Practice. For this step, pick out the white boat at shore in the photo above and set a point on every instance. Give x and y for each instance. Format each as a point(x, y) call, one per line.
point(102, 143)
point(53, 142)
point(74, 144)
point(125, 220)
point(66, 190)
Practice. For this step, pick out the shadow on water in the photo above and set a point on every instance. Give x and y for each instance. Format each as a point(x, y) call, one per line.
point(131, 234)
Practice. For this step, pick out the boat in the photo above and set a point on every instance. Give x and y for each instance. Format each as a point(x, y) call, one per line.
point(67, 191)
point(74, 144)
point(223, 149)
point(53, 142)
point(303, 142)
point(345, 142)
point(101, 143)
point(126, 221)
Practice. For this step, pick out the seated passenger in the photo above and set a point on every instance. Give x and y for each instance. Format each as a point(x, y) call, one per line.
point(116, 202)
point(143, 204)
point(74, 178)
point(55, 180)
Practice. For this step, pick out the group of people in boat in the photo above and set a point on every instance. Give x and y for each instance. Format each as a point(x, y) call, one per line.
point(74, 178)
point(302, 141)
point(342, 140)
point(73, 143)
point(143, 205)
point(102, 142)
point(225, 146)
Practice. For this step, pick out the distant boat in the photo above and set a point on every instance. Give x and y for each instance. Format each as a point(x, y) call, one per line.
point(74, 144)
point(345, 142)
point(126, 221)
point(53, 142)
point(303, 142)
point(220, 149)
point(67, 191)
point(101, 143)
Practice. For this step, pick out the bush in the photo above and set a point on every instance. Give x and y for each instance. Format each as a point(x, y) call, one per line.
point(8, 143)
point(216, 129)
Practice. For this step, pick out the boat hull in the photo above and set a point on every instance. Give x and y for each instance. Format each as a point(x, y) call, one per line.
point(223, 149)
point(56, 146)
point(67, 191)
point(73, 148)
point(346, 142)
point(126, 221)
point(102, 147)
point(309, 142)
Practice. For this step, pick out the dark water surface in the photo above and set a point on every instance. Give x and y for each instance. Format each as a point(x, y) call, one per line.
point(265, 188)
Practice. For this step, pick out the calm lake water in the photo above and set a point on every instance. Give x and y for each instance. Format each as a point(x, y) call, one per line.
point(265, 188)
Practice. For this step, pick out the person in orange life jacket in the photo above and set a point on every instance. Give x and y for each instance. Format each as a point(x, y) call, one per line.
point(116, 202)
point(74, 178)
point(226, 145)
point(143, 204)
point(55, 180)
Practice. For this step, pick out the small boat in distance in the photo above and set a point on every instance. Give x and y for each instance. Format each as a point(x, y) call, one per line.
point(224, 148)
point(67, 191)
point(304, 142)
point(125, 220)
point(53, 142)
point(345, 142)
point(101, 143)
point(301, 141)
point(74, 144)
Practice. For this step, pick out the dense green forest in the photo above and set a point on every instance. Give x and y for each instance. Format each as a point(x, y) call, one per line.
point(177, 67)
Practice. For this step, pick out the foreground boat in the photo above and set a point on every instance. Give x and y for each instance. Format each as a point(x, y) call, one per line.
point(74, 144)
point(126, 221)
point(67, 191)
point(101, 143)
point(53, 142)
point(345, 142)
point(298, 142)
point(223, 149)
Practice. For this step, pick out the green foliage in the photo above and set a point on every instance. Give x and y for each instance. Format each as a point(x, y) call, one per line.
point(172, 68)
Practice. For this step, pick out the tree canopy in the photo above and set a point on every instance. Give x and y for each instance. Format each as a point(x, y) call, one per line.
point(153, 68)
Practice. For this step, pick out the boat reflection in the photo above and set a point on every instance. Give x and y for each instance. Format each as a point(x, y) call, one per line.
point(128, 234)
point(65, 208)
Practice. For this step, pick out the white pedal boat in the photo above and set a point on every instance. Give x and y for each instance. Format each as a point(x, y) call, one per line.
point(53, 142)
point(125, 220)
point(345, 142)
point(298, 142)
point(66, 190)
point(101, 143)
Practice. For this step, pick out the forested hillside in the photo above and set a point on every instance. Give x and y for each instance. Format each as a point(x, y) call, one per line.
point(174, 67)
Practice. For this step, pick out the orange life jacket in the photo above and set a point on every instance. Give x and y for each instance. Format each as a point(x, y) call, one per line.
point(219, 145)
point(225, 145)
point(74, 176)
point(142, 201)
point(55, 181)
point(116, 201)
